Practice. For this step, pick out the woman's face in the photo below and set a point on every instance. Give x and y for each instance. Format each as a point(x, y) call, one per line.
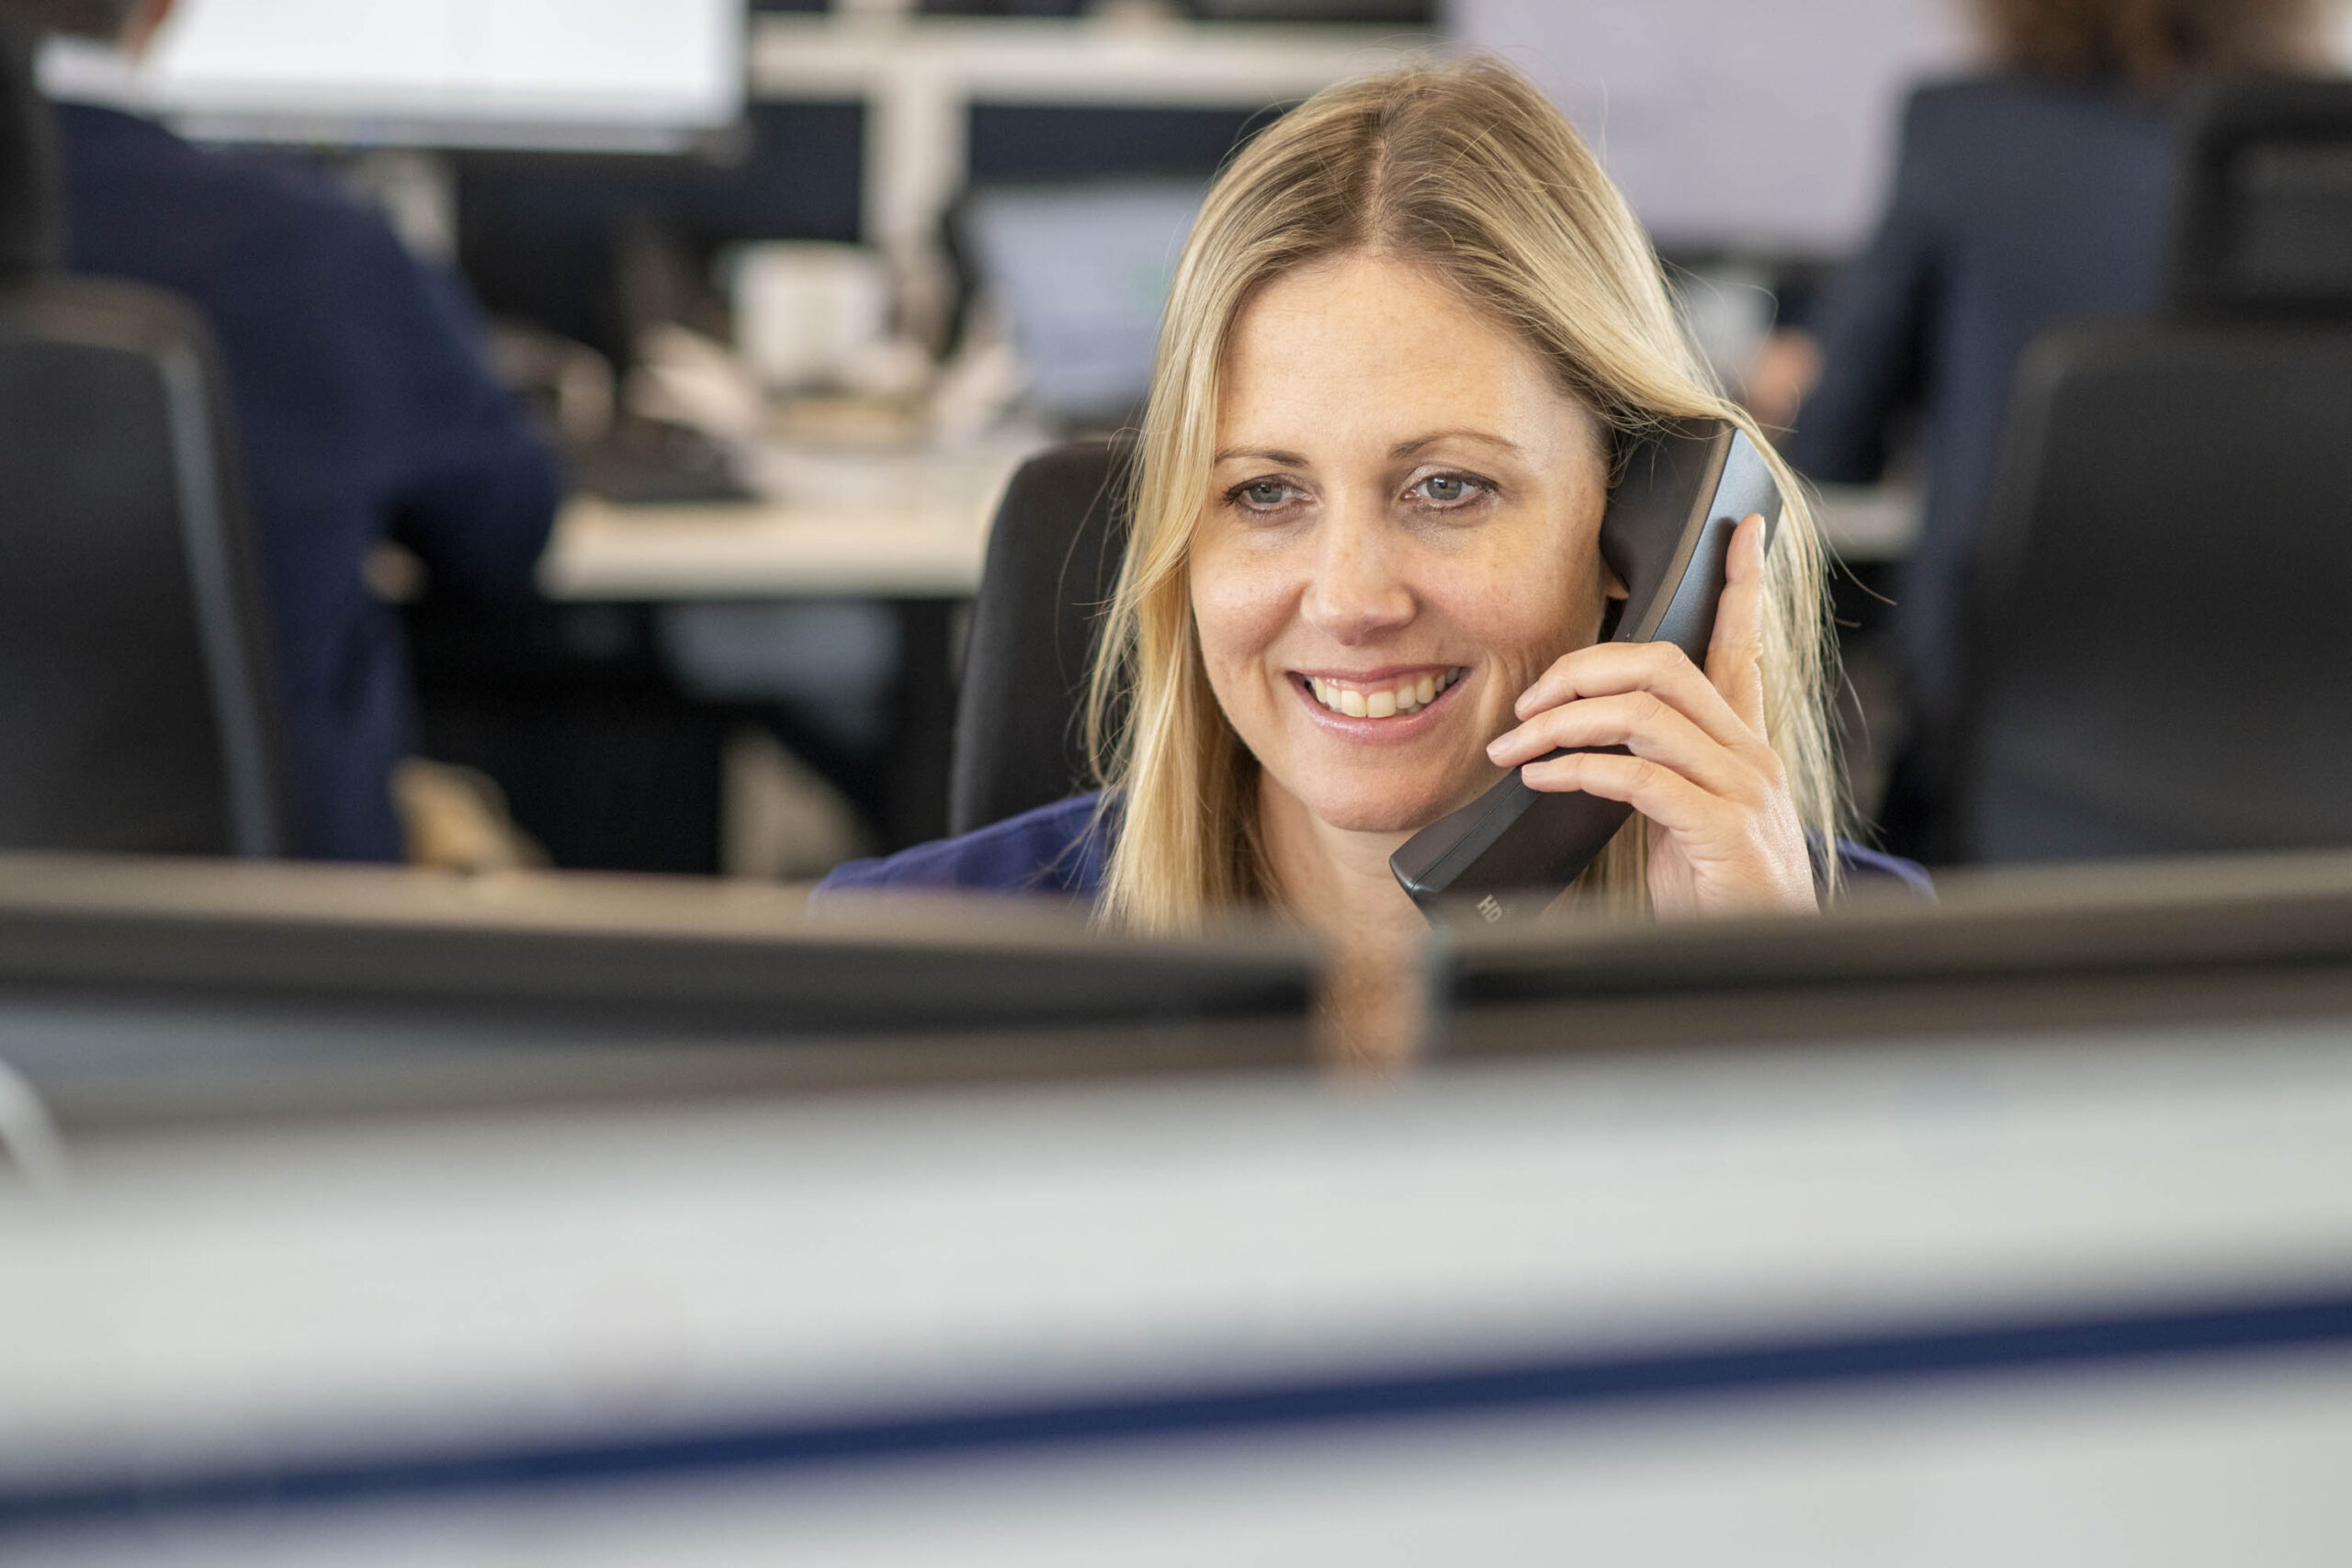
point(1402, 533)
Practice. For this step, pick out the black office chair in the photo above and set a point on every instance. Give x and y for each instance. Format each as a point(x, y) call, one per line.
point(2159, 646)
point(135, 694)
point(1053, 557)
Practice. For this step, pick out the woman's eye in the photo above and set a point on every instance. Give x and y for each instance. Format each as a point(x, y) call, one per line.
point(1448, 489)
point(1264, 494)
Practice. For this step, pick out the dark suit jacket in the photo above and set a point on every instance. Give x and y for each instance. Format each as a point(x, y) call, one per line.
point(366, 410)
point(2018, 202)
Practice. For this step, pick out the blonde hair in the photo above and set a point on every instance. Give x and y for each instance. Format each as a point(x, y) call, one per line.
point(1466, 170)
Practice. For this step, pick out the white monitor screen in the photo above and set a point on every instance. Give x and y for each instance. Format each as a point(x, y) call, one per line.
point(1730, 124)
point(594, 74)
point(1083, 274)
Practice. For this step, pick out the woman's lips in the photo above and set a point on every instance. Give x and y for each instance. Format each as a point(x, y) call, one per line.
point(1401, 693)
point(1383, 706)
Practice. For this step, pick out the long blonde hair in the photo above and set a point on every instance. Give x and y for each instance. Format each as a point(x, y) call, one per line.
point(1465, 169)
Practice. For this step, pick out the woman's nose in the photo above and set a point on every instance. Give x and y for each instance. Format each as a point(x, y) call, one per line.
point(1356, 592)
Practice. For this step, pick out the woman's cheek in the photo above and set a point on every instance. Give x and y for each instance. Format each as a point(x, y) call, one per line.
point(1522, 635)
point(1500, 619)
point(1239, 613)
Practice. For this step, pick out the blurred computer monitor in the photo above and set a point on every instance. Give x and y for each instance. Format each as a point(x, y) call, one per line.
point(1081, 274)
point(137, 992)
point(2264, 223)
point(2188, 944)
point(1727, 124)
point(558, 74)
point(2054, 1292)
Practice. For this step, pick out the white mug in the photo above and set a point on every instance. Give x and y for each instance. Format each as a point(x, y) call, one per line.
point(807, 314)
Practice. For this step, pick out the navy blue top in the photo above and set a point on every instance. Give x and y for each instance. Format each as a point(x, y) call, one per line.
point(2018, 202)
point(366, 409)
point(1060, 848)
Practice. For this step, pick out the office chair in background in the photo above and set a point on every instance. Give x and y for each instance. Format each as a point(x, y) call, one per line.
point(2159, 650)
point(1053, 557)
point(135, 695)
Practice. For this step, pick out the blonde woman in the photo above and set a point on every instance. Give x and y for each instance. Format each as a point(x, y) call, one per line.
point(1412, 327)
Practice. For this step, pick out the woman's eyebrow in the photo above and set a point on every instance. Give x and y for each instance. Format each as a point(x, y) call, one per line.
point(1264, 455)
point(1407, 448)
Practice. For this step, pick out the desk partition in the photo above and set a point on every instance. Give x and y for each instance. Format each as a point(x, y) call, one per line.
point(2062, 1277)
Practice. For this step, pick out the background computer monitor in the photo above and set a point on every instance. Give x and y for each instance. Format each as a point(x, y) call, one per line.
point(574, 74)
point(1731, 125)
point(1081, 274)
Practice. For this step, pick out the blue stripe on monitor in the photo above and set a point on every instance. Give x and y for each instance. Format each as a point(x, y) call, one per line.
point(1565, 1386)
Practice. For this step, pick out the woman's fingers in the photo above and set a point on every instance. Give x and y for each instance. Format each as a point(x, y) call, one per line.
point(1736, 651)
point(1724, 835)
point(1734, 858)
point(1614, 669)
point(1645, 725)
point(1696, 817)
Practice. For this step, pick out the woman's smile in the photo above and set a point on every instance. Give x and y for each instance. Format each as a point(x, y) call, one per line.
point(1384, 706)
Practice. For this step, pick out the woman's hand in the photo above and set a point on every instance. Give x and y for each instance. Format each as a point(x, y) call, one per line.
point(1724, 838)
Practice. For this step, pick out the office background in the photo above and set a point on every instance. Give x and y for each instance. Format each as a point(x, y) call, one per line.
point(752, 716)
point(786, 270)
point(463, 1213)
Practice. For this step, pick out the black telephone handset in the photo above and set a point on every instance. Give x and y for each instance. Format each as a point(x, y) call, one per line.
point(1667, 534)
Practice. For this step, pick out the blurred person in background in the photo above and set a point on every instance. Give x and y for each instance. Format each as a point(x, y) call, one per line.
point(2039, 191)
point(365, 405)
point(1411, 332)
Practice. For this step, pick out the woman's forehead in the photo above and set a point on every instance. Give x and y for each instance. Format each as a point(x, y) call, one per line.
point(1368, 353)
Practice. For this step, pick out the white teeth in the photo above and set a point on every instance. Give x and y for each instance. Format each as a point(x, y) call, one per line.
point(1410, 695)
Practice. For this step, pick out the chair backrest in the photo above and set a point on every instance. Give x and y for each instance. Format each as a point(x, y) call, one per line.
point(2263, 225)
point(1053, 559)
point(135, 689)
point(2160, 650)
point(2159, 631)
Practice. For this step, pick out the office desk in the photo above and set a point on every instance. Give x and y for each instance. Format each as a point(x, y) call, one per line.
point(762, 550)
point(904, 527)
point(1869, 524)
point(832, 524)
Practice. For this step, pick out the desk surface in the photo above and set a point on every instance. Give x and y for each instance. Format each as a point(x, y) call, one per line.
point(761, 550)
point(909, 526)
point(832, 523)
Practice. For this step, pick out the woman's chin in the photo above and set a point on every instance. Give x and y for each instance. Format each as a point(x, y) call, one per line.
point(1385, 813)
